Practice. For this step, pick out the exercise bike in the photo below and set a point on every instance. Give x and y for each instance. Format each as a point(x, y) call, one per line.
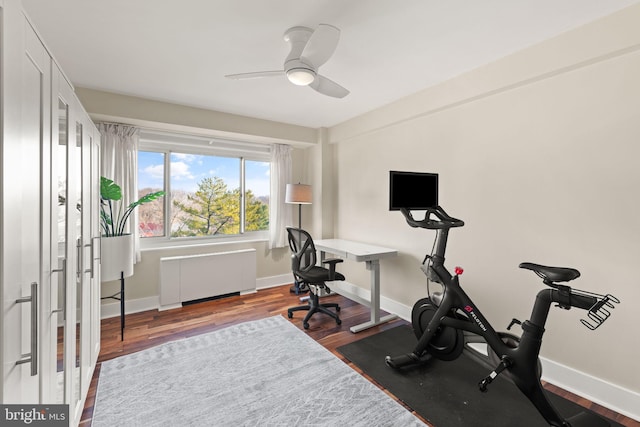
point(448, 323)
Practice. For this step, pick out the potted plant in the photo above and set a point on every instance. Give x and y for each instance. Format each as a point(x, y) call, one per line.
point(109, 192)
point(116, 245)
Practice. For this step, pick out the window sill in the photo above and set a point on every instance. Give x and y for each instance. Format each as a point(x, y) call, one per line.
point(147, 245)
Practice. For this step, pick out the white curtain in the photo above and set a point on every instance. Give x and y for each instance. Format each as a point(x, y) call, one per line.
point(279, 213)
point(119, 162)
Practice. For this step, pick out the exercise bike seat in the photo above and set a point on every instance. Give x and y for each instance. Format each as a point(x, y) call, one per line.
point(552, 274)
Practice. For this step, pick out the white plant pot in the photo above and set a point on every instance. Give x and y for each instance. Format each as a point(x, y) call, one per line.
point(116, 257)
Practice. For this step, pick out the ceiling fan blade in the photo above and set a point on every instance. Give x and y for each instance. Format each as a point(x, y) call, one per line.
point(327, 87)
point(255, 75)
point(321, 45)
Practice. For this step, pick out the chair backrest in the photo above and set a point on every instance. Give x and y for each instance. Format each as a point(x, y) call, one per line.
point(304, 251)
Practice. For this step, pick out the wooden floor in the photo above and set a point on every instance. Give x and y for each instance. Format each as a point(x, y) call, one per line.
point(150, 328)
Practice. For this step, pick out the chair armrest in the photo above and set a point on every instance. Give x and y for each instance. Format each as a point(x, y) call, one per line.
point(332, 266)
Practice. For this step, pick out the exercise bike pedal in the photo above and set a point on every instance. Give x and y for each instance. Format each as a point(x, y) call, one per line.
point(504, 363)
point(408, 359)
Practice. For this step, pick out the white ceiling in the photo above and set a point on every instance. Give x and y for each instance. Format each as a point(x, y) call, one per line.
point(179, 51)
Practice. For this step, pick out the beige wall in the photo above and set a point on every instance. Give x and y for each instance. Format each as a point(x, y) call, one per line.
point(539, 154)
point(105, 106)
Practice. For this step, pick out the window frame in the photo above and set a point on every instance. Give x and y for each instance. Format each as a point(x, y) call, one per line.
point(168, 143)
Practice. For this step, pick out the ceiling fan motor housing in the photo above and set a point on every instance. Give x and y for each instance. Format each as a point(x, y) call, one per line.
point(298, 72)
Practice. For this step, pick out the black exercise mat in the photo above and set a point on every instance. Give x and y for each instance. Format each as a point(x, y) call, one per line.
point(446, 393)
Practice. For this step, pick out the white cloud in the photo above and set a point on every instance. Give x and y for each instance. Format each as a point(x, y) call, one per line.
point(155, 171)
point(180, 170)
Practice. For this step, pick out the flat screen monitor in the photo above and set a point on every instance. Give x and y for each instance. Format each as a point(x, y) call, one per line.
point(412, 190)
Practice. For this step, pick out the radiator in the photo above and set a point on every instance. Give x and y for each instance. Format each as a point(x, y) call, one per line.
point(192, 277)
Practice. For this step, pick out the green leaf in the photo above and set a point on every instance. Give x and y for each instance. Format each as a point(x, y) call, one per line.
point(125, 217)
point(146, 199)
point(109, 190)
point(105, 218)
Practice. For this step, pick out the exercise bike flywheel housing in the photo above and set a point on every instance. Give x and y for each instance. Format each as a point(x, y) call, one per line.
point(447, 343)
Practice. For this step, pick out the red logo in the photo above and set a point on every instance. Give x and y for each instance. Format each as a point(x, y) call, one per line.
point(458, 271)
point(468, 308)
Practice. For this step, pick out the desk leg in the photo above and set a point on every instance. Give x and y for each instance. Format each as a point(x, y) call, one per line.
point(374, 267)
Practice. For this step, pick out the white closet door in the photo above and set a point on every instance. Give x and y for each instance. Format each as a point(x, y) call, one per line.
point(95, 241)
point(62, 252)
point(26, 80)
point(83, 239)
point(74, 289)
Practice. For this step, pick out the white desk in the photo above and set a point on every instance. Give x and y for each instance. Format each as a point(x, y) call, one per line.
point(371, 255)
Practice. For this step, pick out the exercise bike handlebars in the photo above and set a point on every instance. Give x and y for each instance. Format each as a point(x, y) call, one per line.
point(442, 219)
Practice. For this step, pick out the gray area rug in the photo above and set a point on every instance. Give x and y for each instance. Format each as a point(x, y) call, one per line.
point(260, 373)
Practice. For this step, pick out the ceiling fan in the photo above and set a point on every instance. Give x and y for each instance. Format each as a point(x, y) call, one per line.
point(309, 50)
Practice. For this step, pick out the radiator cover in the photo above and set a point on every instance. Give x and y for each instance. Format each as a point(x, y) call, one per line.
point(192, 277)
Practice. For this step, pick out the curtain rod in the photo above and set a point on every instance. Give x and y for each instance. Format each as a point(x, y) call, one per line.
point(184, 134)
point(117, 123)
point(203, 134)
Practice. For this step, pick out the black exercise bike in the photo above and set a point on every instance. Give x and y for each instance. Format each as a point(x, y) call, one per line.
point(447, 322)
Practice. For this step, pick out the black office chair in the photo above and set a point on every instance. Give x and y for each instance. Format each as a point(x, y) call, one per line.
point(303, 265)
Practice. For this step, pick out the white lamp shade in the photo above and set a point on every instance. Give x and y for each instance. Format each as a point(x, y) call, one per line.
point(116, 257)
point(298, 194)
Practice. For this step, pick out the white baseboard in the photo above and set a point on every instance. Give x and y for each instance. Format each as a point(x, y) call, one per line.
point(363, 296)
point(616, 398)
point(273, 281)
point(112, 309)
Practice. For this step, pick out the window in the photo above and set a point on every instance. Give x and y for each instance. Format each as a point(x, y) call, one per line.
point(151, 179)
point(215, 188)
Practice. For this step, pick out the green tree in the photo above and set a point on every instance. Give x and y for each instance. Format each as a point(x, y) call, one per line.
point(256, 212)
point(204, 212)
point(213, 209)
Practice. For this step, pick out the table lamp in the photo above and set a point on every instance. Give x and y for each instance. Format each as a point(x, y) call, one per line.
point(300, 194)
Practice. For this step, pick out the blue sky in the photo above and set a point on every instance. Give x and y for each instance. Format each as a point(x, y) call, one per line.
point(187, 170)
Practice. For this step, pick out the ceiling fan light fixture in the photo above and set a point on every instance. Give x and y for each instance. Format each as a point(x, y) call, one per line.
point(310, 49)
point(301, 76)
